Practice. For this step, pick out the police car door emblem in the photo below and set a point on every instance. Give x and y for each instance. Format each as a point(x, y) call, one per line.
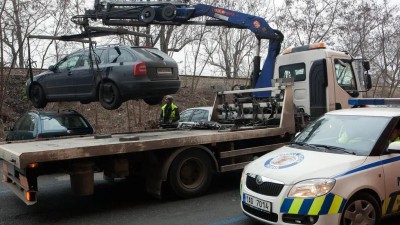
point(259, 180)
point(284, 160)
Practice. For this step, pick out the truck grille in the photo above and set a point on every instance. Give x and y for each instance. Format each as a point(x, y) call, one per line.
point(273, 217)
point(266, 188)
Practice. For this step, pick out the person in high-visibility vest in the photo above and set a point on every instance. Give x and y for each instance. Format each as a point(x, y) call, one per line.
point(395, 135)
point(169, 116)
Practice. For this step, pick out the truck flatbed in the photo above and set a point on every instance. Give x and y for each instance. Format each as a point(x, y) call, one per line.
point(23, 153)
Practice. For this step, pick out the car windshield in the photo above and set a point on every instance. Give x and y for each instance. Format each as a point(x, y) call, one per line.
point(342, 133)
point(63, 122)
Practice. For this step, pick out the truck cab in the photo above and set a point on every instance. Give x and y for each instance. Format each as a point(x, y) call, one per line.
point(324, 79)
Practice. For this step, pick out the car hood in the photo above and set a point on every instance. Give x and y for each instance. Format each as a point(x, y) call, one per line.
point(40, 76)
point(290, 165)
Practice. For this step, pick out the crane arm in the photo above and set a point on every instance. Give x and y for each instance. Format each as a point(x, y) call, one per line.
point(178, 13)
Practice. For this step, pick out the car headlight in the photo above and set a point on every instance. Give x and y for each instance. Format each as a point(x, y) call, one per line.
point(311, 188)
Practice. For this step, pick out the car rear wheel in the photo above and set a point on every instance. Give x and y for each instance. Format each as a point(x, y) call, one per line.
point(362, 209)
point(153, 100)
point(190, 173)
point(109, 96)
point(37, 96)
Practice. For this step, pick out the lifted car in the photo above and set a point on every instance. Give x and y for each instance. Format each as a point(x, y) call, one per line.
point(120, 73)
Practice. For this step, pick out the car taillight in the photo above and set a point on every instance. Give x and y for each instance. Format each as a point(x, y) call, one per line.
point(140, 69)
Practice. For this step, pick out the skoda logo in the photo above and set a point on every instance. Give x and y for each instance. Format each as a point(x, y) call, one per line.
point(259, 180)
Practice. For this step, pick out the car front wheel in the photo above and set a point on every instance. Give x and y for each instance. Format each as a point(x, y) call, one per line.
point(362, 209)
point(109, 96)
point(37, 96)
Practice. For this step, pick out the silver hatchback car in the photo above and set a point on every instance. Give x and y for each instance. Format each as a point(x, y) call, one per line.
point(119, 73)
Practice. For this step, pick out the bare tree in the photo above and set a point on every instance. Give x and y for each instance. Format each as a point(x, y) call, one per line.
point(308, 21)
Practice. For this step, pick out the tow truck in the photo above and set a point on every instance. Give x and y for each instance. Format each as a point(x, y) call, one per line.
point(293, 88)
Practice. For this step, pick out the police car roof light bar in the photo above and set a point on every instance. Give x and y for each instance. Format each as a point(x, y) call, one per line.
point(374, 101)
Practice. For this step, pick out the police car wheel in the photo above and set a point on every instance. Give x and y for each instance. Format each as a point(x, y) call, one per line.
point(361, 209)
point(190, 173)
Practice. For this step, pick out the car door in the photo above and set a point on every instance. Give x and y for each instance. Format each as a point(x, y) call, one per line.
point(25, 128)
point(84, 77)
point(391, 165)
point(59, 85)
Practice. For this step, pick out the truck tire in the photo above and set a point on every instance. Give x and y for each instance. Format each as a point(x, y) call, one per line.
point(361, 209)
point(37, 96)
point(190, 173)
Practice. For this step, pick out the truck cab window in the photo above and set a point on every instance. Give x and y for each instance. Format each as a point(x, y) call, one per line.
point(296, 71)
point(344, 75)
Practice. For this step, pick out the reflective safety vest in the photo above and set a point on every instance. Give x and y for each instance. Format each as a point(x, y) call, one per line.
point(395, 140)
point(173, 109)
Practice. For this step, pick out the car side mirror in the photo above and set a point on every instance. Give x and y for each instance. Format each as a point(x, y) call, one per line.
point(368, 81)
point(353, 93)
point(52, 68)
point(366, 65)
point(394, 147)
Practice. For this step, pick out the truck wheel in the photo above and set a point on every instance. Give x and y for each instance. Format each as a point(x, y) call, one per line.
point(190, 173)
point(361, 209)
point(37, 96)
point(109, 96)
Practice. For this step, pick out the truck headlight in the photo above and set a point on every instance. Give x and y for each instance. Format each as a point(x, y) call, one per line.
point(311, 188)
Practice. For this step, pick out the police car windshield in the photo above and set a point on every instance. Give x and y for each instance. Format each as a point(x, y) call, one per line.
point(343, 134)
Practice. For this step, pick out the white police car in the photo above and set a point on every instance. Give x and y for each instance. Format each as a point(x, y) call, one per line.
point(341, 169)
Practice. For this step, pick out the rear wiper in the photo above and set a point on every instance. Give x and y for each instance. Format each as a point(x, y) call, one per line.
point(334, 148)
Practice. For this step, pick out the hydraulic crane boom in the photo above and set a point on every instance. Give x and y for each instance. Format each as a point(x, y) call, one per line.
point(178, 13)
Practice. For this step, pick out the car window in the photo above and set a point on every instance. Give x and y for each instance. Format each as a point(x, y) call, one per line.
point(69, 62)
point(26, 123)
point(96, 55)
point(200, 115)
point(152, 54)
point(124, 57)
point(185, 115)
point(64, 122)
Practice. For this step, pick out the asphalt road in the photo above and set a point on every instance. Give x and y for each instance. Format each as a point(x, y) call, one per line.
point(125, 202)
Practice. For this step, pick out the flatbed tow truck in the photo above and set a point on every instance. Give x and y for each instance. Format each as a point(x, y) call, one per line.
point(308, 81)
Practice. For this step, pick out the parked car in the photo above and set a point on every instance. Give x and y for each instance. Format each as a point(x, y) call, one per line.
point(41, 125)
point(190, 116)
point(120, 74)
point(194, 116)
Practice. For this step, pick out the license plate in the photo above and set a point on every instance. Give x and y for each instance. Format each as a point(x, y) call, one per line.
point(257, 203)
point(164, 70)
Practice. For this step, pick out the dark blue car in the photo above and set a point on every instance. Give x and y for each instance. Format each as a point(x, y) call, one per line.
point(112, 75)
point(42, 125)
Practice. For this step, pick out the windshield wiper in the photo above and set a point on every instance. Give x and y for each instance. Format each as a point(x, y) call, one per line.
point(319, 146)
point(334, 148)
point(303, 144)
